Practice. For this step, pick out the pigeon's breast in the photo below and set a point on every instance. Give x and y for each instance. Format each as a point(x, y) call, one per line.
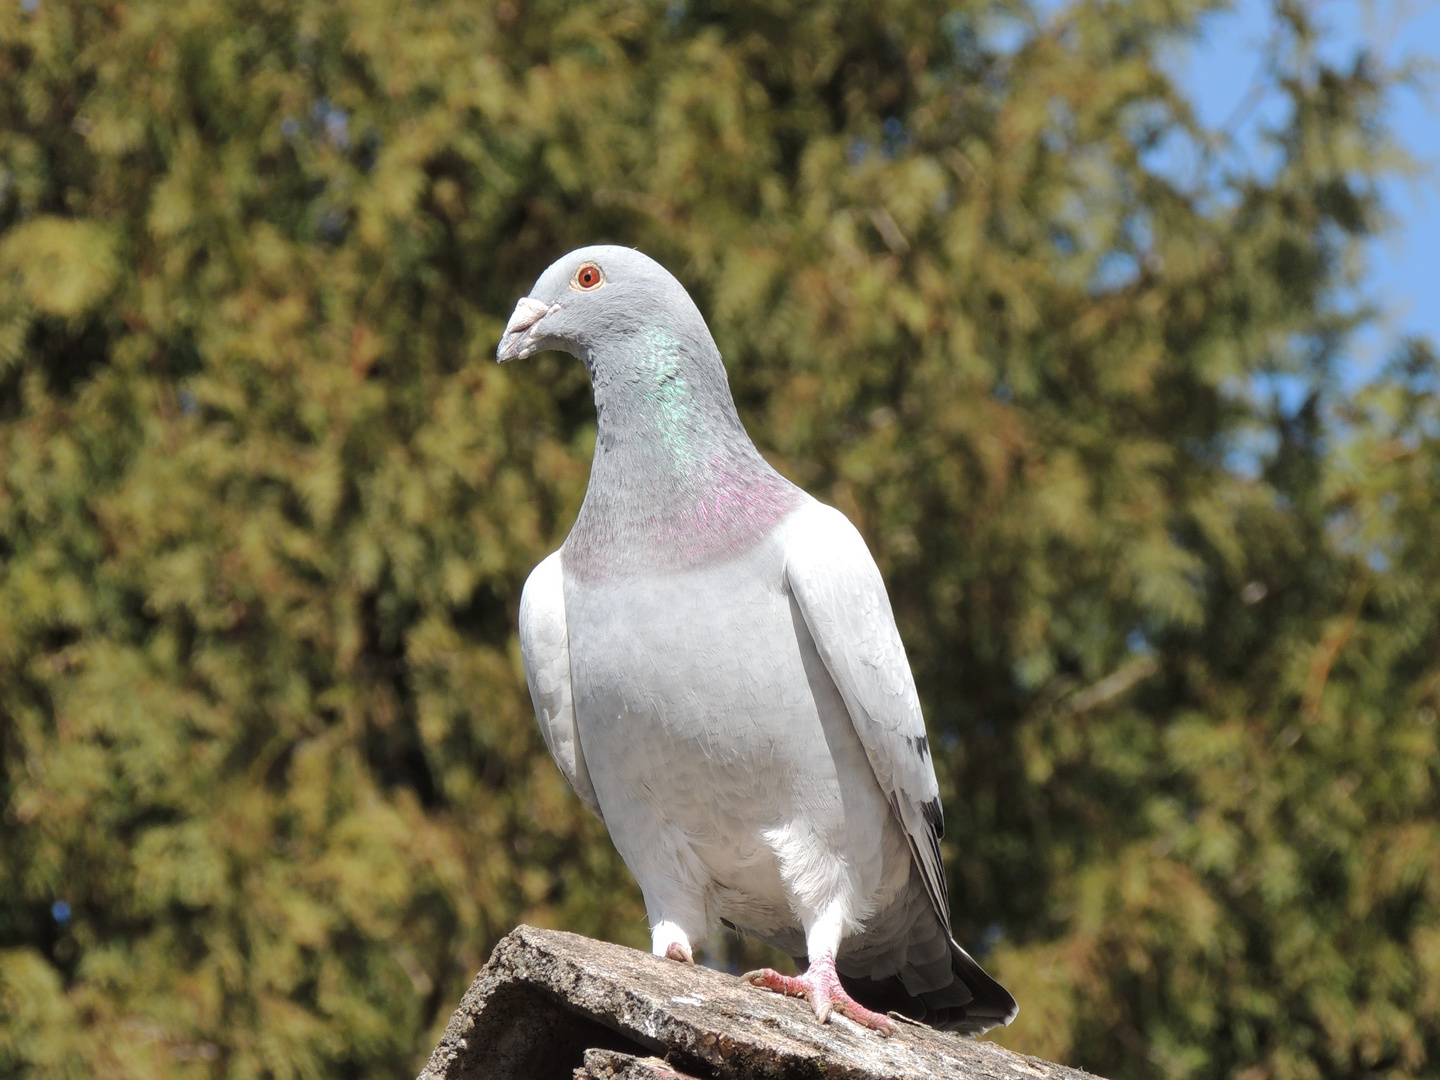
point(705, 711)
point(637, 523)
point(704, 662)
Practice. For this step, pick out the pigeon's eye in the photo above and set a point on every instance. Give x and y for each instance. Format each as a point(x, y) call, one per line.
point(588, 277)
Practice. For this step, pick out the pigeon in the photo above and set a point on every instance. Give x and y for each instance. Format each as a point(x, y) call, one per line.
point(716, 669)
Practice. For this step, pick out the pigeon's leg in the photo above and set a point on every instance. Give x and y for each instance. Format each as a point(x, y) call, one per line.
point(677, 919)
point(667, 939)
point(821, 982)
point(671, 878)
point(821, 985)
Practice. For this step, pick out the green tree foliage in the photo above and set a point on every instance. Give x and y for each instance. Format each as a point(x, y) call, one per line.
point(270, 783)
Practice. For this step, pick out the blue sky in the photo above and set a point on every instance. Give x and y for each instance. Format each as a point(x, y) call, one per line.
point(1219, 73)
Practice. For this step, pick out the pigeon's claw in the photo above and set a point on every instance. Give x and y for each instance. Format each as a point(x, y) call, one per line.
point(821, 987)
point(677, 951)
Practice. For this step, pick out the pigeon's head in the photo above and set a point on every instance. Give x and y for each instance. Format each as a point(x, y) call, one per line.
point(598, 298)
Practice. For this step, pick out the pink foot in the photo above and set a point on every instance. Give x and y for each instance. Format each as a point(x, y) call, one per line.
point(821, 985)
point(676, 951)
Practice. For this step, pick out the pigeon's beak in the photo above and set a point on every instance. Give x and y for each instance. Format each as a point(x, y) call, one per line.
point(521, 332)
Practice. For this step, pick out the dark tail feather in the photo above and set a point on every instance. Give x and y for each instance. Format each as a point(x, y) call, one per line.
point(973, 1002)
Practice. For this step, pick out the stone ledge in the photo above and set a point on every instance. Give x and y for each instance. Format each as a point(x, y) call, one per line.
point(556, 1006)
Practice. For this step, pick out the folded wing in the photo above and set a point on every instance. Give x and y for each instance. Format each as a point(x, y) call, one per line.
point(545, 649)
point(842, 596)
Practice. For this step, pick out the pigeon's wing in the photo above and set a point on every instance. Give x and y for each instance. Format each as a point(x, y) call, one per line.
point(545, 648)
point(838, 588)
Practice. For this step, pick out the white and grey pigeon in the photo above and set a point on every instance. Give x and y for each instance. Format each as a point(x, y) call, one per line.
point(717, 672)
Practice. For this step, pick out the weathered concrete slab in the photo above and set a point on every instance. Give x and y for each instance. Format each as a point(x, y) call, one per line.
point(613, 1065)
point(546, 997)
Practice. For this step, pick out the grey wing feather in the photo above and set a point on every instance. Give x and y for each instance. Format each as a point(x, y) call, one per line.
point(840, 592)
point(545, 649)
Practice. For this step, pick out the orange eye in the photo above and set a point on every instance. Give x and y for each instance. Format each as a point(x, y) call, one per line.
point(589, 277)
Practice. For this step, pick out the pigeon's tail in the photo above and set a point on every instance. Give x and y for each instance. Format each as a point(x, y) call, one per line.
point(970, 1004)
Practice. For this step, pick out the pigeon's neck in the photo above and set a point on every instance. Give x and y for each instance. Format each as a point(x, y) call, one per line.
point(664, 410)
point(676, 481)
